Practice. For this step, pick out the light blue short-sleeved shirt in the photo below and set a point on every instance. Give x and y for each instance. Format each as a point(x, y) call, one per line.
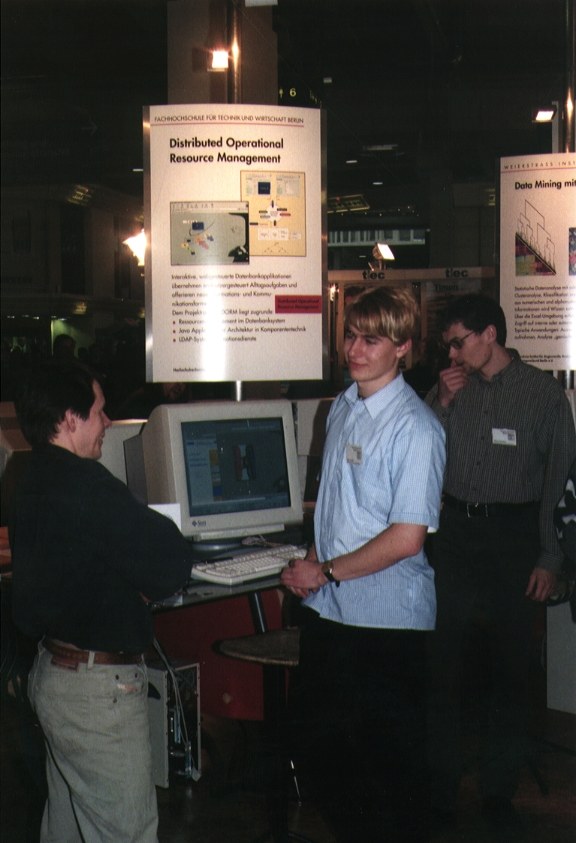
point(383, 464)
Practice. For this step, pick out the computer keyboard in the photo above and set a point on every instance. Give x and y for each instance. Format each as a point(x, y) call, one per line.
point(254, 565)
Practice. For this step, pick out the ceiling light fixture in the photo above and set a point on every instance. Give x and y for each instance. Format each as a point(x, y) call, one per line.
point(218, 60)
point(380, 147)
point(137, 245)
point(544, 115)
point(383, 252)
point(380, 254)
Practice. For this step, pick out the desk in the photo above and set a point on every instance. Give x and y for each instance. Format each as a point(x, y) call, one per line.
point(206, 592)
point(188, 624)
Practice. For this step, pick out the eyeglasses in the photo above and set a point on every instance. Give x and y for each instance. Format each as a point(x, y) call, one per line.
point(457, 342)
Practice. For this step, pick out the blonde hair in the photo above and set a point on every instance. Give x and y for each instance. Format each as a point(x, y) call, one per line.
point(384, 312)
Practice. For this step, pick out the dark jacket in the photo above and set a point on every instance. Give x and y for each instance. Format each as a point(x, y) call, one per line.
point(87, 555)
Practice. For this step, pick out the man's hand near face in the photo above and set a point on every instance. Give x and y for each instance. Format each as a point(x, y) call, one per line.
point(450, 382)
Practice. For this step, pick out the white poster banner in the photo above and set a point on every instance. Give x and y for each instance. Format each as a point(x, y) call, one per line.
point(538, 257)
point(234, 221)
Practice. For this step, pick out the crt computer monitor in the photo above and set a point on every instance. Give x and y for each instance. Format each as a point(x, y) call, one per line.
point(232, 467)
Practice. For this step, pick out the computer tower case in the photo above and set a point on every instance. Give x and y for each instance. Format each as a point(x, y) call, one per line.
point(174, 714)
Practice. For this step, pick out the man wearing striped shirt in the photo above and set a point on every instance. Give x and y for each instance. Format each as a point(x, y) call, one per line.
point(510, 441)
point(358, 693)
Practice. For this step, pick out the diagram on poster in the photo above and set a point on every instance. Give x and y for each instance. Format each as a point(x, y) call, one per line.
point(534, 245)
point(208, 233)
point(277, 203)
point(537, 290)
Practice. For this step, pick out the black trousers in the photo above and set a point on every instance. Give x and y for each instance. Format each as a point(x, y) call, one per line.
point(484, 620)
point(358, 714)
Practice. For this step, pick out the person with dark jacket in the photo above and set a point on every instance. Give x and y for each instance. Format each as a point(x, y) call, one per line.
point(87, 558)
point(510, 441)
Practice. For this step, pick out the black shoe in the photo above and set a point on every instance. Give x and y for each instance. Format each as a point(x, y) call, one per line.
point(501, 813)
point(441, 820)
point(497, 805)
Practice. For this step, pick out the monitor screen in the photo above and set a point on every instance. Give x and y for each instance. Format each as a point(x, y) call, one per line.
point(231, 466)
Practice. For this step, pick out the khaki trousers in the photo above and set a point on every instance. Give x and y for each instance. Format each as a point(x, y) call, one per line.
point(99, 765)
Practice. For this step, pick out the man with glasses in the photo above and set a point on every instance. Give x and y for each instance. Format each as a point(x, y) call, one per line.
point(510, 442)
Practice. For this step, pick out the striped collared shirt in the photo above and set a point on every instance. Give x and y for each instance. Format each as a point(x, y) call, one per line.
point(510, 440)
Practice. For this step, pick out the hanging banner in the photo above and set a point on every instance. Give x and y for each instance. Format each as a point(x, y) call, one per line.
point(538, 257)
point(235, 229)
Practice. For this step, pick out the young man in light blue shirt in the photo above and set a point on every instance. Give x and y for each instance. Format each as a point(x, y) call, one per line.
point(358, 695)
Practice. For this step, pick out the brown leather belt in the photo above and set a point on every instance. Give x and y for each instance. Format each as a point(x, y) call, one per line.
point(487, 510)
point(70, 656)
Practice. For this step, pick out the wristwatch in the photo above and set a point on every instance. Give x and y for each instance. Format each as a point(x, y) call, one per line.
point(328, 571)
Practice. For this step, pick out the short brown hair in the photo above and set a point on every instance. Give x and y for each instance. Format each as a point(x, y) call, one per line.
point(50, 389)
point(385, 312)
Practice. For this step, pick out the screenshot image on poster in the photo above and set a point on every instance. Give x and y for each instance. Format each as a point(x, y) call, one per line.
point(208, 233)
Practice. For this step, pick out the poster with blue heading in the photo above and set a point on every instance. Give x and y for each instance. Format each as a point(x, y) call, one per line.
point(538, 257)
point(235, 227)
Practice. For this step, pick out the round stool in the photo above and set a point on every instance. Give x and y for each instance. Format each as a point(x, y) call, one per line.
point(279, 647)
point(276, 650)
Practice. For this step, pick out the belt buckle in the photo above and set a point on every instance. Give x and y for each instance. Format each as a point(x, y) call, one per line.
point(475, 509)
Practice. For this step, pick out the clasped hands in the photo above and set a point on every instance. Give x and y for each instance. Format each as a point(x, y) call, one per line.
point(303, 577)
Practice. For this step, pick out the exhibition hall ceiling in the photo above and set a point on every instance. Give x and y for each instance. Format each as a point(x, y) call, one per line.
point(420, 93)
point(426, 92)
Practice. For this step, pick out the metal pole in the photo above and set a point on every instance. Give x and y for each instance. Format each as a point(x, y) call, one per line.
point(235, 47)
point(235, 90)
point(568, 111)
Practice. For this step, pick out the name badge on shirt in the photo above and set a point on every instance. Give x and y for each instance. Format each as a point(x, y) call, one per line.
point(354, 454)
point(501, 436)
